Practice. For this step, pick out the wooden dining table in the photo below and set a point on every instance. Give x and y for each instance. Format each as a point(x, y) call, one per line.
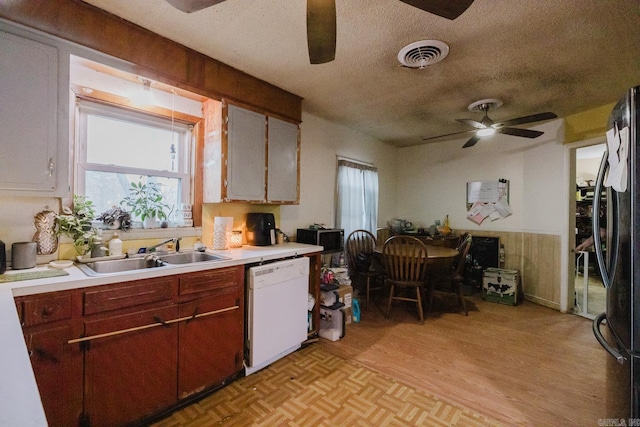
point(440, 255)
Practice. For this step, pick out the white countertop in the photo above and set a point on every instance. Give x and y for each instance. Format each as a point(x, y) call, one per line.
point(19, 398)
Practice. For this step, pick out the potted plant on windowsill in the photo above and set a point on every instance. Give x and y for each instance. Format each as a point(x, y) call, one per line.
point(75, 223)
point(146, 202)
point(116, 218)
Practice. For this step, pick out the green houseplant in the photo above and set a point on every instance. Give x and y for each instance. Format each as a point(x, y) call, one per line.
point(146, 202)
point(75, 223)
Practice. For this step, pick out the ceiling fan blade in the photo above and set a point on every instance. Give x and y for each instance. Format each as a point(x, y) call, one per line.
point(525, 133)
point(529, 119)
point(429, 138)
point(472, 141)
point(189, 6)
point(473, 123)
point(321, 30)
point(449, 9)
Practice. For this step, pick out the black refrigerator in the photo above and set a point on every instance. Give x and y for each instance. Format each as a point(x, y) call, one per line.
point(618, 252)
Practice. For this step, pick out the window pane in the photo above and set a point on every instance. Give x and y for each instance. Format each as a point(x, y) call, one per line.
point(109, 142)
point(107, 189)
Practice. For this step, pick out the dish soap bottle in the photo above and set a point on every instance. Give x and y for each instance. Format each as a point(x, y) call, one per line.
point(199, 246)
point(115, 245)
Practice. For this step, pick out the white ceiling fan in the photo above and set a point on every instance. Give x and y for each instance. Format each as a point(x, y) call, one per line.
point(487, 127)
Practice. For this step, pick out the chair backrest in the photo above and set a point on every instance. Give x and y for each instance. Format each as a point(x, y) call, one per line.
point(463, 238)
point(463, 251)
point(382, 234)
point(405, 259)
point(359, 242)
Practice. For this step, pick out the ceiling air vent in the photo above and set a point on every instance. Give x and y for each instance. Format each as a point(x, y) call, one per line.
point(423, 53)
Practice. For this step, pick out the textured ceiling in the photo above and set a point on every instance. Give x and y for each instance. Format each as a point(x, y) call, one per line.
point(564, 56)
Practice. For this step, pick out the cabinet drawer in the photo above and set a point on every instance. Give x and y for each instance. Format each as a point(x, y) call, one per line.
point(206, 305)
point(126, 324)
point(47, 309)
point(129, 294)
point(211, 279)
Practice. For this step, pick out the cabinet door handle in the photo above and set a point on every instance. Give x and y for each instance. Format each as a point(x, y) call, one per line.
point(47, 311)
point(195, 314)
point(50, 167)
point(158, 319)
point(42, 354)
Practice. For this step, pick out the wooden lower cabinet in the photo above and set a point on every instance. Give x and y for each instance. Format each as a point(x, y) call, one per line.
point(117, 354)
point(57, 367)
point(211, 345)
point(130, 375)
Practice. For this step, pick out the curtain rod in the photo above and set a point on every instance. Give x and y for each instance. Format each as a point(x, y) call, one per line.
point(354, 160)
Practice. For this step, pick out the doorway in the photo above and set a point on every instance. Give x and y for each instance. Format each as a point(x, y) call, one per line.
point(590, 294)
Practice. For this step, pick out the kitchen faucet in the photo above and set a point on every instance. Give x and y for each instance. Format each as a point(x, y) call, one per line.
point(175, 240)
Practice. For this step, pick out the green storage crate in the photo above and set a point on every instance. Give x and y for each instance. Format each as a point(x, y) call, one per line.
point(500, 285)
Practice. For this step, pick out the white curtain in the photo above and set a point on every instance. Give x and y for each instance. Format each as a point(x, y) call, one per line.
point(357, 204)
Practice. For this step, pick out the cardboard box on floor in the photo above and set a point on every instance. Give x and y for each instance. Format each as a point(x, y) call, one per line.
point(501, 285)
point(344, 295)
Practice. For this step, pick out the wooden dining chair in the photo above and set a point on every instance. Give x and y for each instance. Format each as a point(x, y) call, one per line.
point(405, 261)
point(382, 234)
point(360, 257)
point(452, 279)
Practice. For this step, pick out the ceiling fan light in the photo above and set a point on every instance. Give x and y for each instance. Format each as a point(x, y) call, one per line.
point(485, 132)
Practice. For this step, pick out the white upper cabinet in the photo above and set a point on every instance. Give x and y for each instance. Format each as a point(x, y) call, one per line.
point(31, 160)
point(283, 155)
point(249, 157)
point(247, 154)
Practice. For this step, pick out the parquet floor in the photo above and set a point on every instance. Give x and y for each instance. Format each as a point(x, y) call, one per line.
point(312, 387)
point(514, 366)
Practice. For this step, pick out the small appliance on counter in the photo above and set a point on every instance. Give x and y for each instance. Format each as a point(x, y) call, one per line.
point(261, 229)
point(332, 239)
point(23, 255)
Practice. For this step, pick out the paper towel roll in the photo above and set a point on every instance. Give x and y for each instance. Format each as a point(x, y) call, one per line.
point(222, 228)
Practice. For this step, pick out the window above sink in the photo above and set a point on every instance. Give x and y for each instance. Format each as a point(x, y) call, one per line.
point(122, 140)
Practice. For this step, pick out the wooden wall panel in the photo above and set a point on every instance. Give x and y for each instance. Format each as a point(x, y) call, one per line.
point(537, 258)
point(157, 57)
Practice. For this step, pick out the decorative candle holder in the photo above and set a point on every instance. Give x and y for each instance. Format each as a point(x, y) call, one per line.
point(236, 239)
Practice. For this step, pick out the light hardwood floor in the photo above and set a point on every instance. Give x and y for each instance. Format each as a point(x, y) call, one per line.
point(523, 365)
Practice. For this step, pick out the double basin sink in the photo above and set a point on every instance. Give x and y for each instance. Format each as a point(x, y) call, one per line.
point(99, 268)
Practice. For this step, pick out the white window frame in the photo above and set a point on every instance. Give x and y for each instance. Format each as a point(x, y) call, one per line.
point(183, 145)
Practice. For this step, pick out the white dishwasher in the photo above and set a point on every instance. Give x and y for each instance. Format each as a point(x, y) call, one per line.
point(277, 300)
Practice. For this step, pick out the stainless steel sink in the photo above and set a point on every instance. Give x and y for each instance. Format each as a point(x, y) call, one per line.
point(99, 268)
point(116, 266)
point(190, 257)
